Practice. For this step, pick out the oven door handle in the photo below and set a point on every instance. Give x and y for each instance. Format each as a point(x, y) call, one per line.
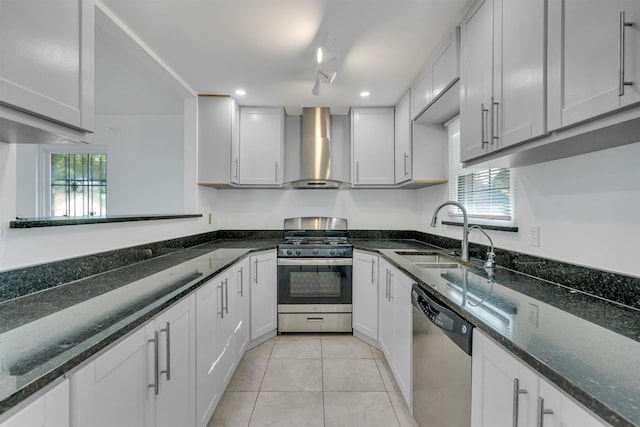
point(315, 261)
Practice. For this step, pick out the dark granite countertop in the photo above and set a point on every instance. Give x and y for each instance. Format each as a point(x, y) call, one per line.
point(587, 346)
point(45, 334)
point(83, 220)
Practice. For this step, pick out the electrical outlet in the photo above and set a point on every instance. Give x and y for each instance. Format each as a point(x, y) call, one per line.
point(533, 315)
point(534, 235)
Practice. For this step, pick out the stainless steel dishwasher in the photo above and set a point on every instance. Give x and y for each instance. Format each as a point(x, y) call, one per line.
point(441, 364)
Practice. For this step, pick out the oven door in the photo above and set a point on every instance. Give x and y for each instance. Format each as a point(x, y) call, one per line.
point(314, 280)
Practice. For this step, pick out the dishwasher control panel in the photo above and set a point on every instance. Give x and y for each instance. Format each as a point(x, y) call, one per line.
point(457, 328)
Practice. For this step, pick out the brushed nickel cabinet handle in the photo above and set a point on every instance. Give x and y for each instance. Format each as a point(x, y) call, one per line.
point(621, 59)
point(517, 391)
point(226, 295)
point(255, 278)
point(167, 371)
point(156, 374)
point(221, 287)
point(406, 157)
point(494, 120)
point(483, 127)
point(542, 412)
point(373, 263)
point(241, 274)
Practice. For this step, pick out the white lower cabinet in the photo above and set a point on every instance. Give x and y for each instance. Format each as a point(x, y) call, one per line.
point(394, 325)
point(505, 392)
point(145, 380)
point(365, 294)
point(242, 313)
point(215, 349)
point(264, 293)
point(49, 410)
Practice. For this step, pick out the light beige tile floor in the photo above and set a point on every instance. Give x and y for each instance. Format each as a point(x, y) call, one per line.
point(313, 380)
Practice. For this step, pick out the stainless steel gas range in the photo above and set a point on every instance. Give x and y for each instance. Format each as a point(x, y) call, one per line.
point(314, 276)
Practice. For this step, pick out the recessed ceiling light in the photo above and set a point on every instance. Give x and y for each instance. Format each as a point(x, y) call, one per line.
point(240, 92)
point(365, 93)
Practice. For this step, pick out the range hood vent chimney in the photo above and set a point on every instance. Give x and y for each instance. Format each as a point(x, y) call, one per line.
point(315, 153)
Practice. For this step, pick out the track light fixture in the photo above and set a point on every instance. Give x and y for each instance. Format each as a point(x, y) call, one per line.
point(323, 74)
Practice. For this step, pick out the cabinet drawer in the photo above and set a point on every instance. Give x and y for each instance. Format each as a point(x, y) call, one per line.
point(314, 322)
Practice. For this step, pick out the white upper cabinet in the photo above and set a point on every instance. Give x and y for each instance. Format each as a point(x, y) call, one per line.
point(217, 127)
point(594, 58)
point(503, 75)
point(372, 145)
point(442, 72)
point(403, 139)
point(260, 157)
point(421, 93)
point(47, 62)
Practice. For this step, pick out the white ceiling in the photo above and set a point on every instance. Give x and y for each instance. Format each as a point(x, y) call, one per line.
point(267, 47)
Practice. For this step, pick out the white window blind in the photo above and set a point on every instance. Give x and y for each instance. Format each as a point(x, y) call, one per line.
point(485, 193)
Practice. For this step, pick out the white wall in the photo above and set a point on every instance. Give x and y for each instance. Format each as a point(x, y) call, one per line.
point(587, 207)
point(266, 209)
point(145, 163)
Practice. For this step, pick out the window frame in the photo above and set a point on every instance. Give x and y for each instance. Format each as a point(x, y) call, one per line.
point(481, 219)
point(44, 160)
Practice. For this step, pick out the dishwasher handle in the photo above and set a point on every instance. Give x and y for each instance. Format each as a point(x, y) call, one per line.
point(453, 325)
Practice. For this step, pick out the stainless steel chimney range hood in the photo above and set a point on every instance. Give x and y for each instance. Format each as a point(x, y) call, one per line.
point(315, 152)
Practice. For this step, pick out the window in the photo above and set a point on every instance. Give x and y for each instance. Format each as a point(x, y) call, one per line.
point(486, 193)
point(77, 183)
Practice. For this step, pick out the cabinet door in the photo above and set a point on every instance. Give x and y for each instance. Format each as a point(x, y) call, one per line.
point(261, 141)
point(50, 410)
point(117, 389)
point(385, 314)
point(584, 69)
point(446, 65)
point(175, 402)
point(263, 294)
point(403, 156)
point(565, 411)
point(631, 9)
point(477, 80)
point(225, 326)
point(502, 388)
point(518, 109)
point(372, 138)
point(242, 314)
point(402, 331)
point(208, 387)
point(215, 130)
point(421, 94)
point(46, 51)
point(365, 294)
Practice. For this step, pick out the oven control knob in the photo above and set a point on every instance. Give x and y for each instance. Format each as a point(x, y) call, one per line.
point(332, 252)
point(289, 251)
point(297, 251)
point(315, 251)
point(341, 252)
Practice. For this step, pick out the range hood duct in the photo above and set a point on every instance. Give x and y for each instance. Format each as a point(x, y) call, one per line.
point(315, 152)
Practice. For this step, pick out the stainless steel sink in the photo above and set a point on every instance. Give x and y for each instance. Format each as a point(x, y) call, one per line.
point(429, 259)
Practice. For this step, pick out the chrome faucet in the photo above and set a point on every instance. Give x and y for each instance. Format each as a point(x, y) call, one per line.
point(465, 227)
point(491, 255)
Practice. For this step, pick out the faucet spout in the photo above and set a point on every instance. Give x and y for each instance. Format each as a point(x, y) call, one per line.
point(465, 226)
